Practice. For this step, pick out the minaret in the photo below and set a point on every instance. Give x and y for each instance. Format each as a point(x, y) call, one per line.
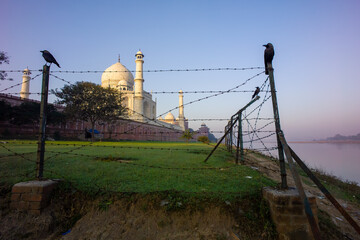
point(181, 111)
point(138, 98)
point(24, 93)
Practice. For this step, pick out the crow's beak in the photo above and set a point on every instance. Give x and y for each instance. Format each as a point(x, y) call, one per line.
point(264, 45)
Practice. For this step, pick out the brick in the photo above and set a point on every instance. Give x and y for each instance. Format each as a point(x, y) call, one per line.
point(22, 205)
point(296, 210)
point(34, 212)
point(36, 197)
point(15, 197)
point(14, 205)
point(281, 200)
point(48, 188)
point(35, 205)
point(36, 189)
point(312, 200)
point(296, 201)
point(283, 228)
point(21, 189)
point(282, 218)
point(300, 220)
point(26, 196)
point(32, 197)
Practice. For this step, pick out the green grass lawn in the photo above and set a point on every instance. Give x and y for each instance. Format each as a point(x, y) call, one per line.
point(140, 167)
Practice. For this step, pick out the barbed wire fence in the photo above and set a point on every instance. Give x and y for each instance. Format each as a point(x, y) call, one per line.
point(74, 149)
point(246, 132)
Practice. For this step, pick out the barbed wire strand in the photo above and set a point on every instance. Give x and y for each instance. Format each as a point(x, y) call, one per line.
point(149, 71)
point(18, 84)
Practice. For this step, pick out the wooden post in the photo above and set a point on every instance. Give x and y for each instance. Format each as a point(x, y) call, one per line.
point(277, 127)
point(42, 125)
point(296, 177)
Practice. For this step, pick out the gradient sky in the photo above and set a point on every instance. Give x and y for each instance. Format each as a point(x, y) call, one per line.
point(317, 45)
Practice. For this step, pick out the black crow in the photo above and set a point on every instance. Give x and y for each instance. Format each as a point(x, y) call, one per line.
point(49, 57)
point(268, 56)
point(256, 92)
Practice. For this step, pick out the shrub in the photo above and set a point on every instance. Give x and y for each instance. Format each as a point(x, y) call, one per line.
point(203, 139)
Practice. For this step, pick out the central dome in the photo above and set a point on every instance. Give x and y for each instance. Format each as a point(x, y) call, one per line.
point(117, 75)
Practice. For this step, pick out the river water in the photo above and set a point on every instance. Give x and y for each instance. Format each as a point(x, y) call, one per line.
point(339, 159)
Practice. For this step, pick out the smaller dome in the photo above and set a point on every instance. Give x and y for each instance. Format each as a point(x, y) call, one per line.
point(139, 52)
point(170, 116)
point(181, 91)
point(122, 83)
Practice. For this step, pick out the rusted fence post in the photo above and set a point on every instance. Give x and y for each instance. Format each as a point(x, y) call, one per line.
point(42, 127)
point(239, 146)
point(231, 134)
point(277, 127)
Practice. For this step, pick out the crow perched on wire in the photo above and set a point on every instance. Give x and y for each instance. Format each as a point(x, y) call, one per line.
point(268, 56)
point(49, 57)
point(257, 90)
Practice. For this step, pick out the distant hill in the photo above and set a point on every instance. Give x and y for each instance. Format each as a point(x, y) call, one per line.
point(339, 137)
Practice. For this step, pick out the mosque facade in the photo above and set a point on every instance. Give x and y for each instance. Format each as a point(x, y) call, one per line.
point(139, 103)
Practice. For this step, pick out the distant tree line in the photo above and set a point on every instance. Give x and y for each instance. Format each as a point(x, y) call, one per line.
point(29, 113)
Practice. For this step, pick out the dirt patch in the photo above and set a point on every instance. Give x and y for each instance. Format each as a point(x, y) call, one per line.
point(73, 215)
point(333, 223)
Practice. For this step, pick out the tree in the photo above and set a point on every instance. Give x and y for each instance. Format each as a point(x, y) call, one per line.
point(203, 139)
point(5, 110)
point(90, 102)
point(26, 113)
point(187, 135)
point(3, 59)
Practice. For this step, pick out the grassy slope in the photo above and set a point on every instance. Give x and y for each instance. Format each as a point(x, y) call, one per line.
point(144, 167)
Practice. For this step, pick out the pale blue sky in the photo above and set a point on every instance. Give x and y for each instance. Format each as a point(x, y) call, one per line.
point(316, 44)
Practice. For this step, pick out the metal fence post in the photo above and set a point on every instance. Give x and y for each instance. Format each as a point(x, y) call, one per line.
point(239, 147)
point(232, 124)
point(42, 125)
point(277, 127)
point(231, 134)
